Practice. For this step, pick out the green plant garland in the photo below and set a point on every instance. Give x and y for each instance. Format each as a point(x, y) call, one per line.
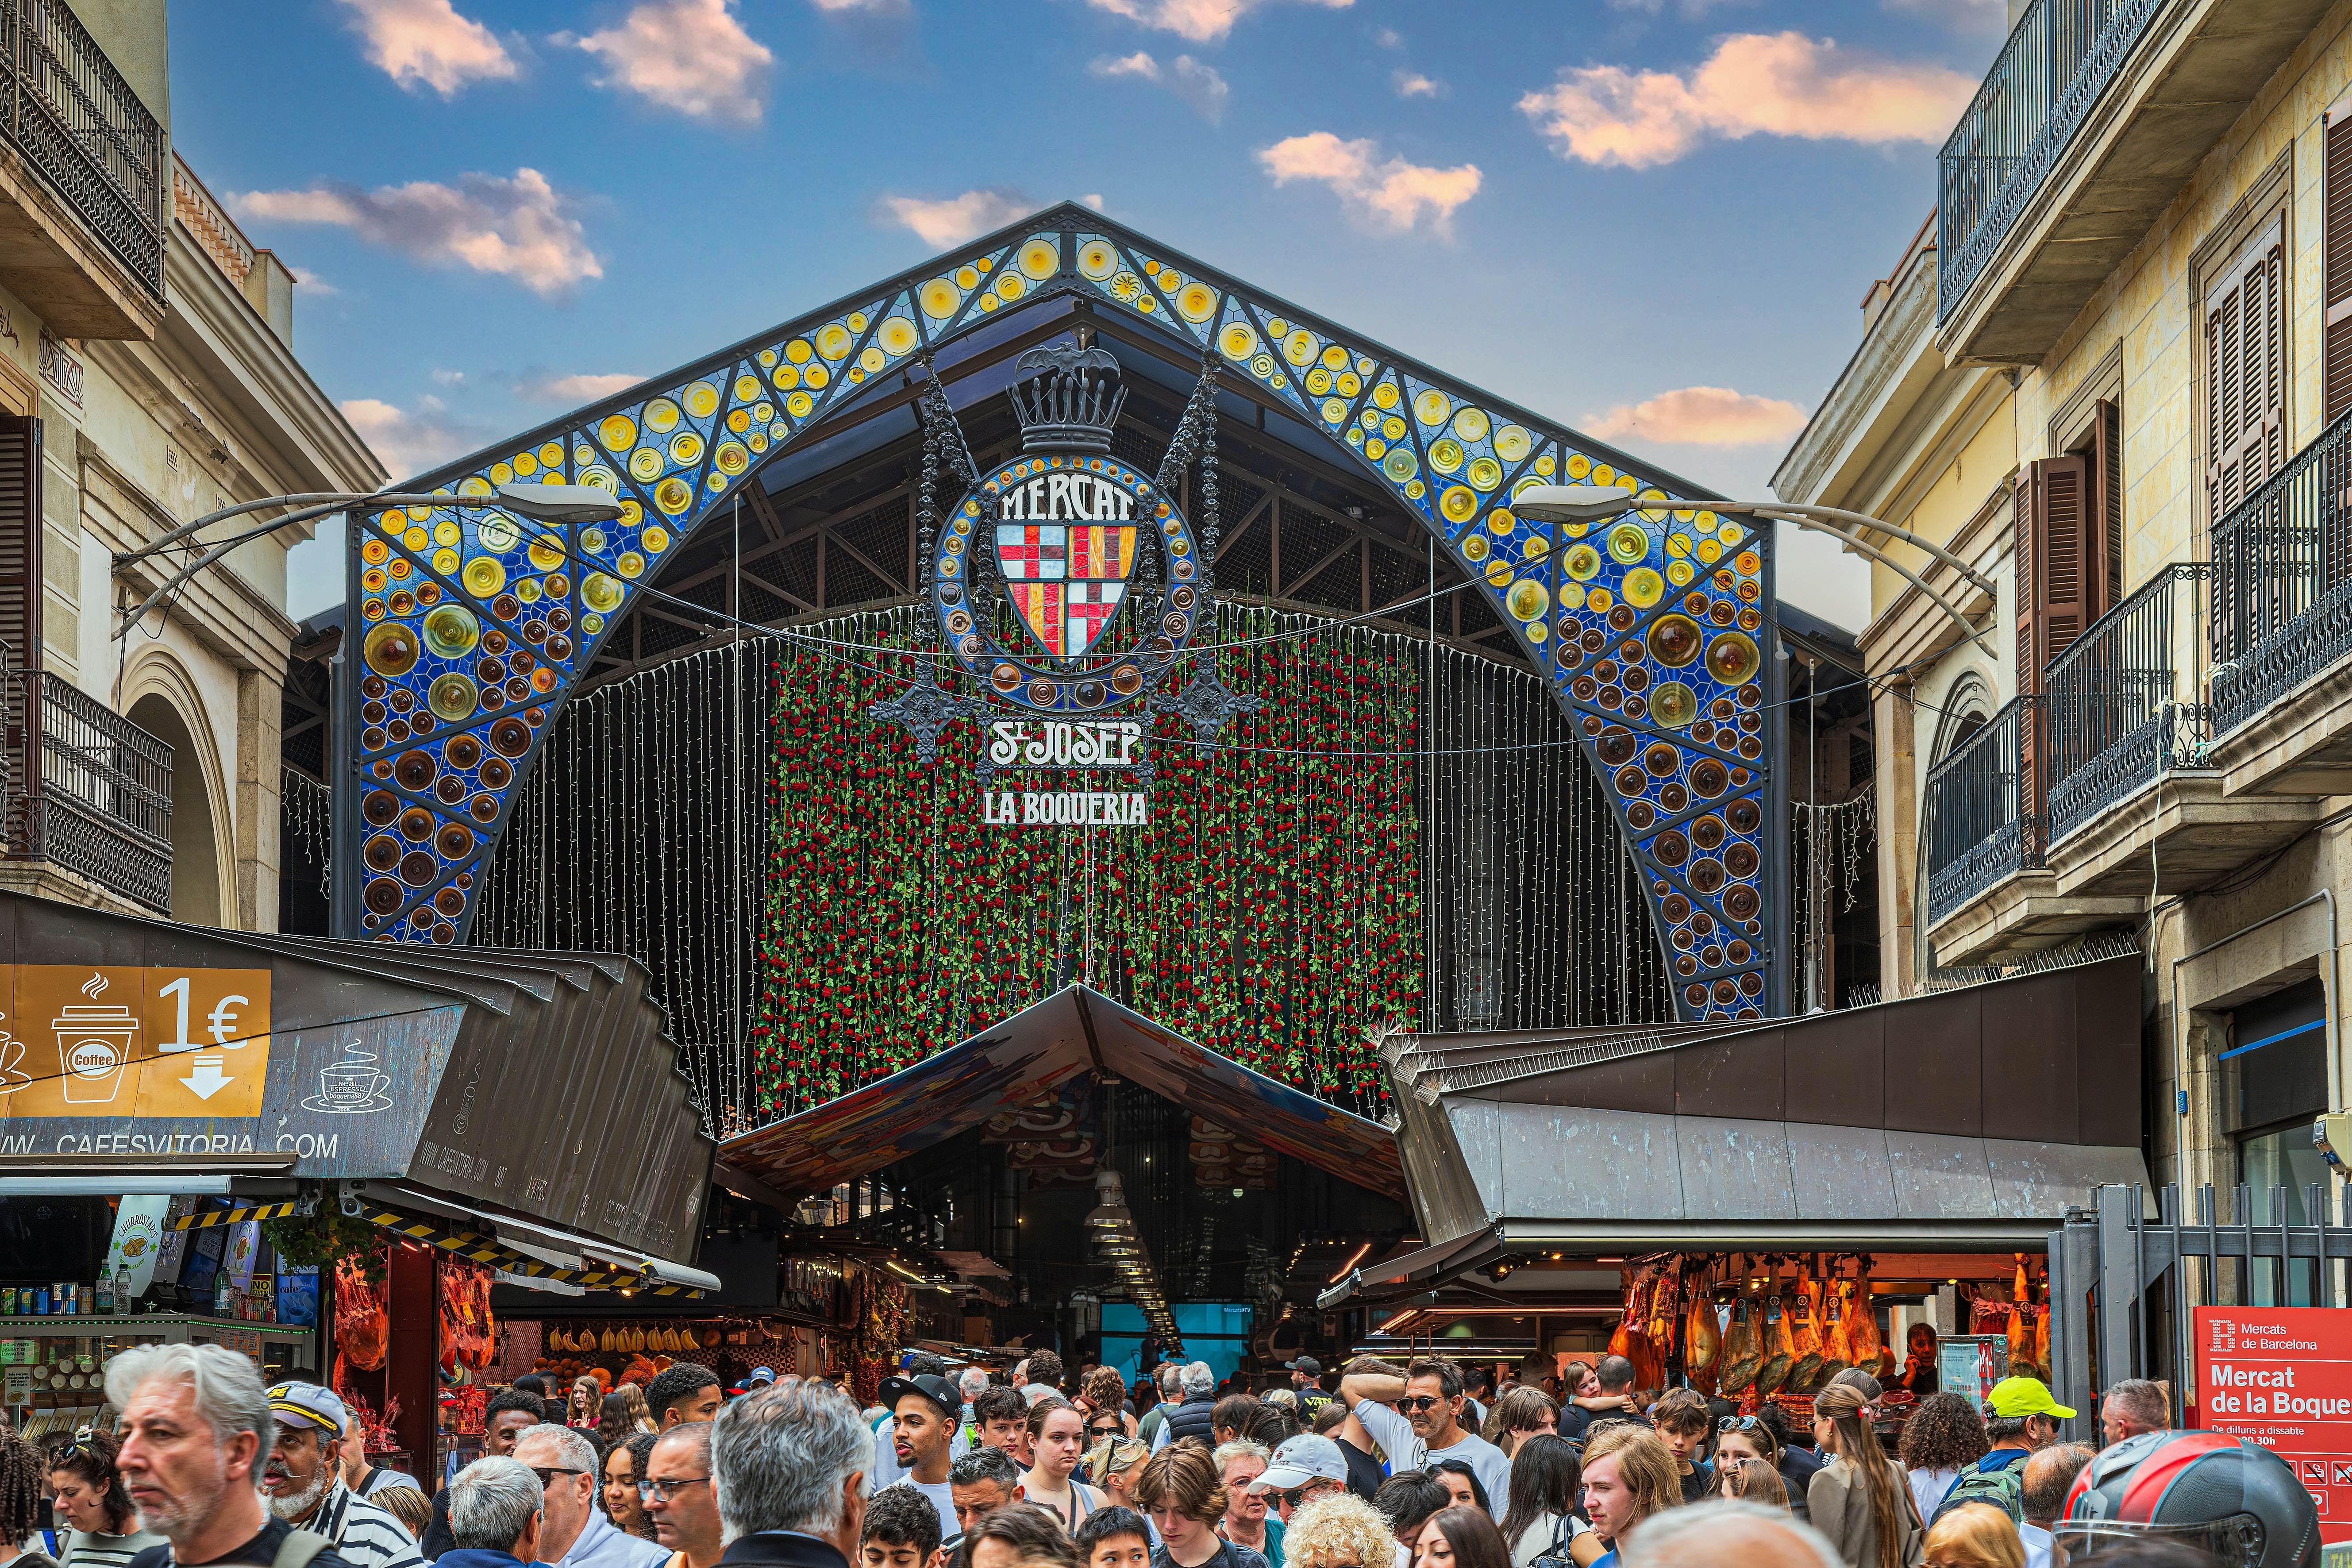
point(1271, 909)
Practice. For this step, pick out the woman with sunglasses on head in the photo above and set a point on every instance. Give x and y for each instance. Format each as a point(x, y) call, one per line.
point(1111, 1467)
point(1858, 1500)
point(101, 1526)
point(1751, 1481)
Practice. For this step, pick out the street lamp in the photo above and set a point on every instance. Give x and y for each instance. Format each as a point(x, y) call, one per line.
point(555, 504)
point(1593, 503)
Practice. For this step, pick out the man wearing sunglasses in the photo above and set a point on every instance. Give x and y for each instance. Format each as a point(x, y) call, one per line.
point(1304, 1467)
point(577, 1535)
point(1426, 1424)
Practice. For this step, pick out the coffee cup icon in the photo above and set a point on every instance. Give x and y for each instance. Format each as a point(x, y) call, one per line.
point(351, 1086)
point(93, 1047)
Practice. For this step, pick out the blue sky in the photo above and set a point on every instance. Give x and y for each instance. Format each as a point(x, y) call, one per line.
point(1652, 219)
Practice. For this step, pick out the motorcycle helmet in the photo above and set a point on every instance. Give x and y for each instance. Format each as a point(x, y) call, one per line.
point(2235, 1500)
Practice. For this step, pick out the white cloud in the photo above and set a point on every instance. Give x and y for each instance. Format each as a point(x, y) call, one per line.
point(1412, 84)
point(1201, 21)
point(584, 386)
point(692, 56)
point(308, 283)
point(1689, 10)
point(1781, 84)
point(410, 440)
point(426, 41)
point(1389, 38)
point(1198, 84)
point(1961, 15)
point(519, 228)
point(1392, 194)
point(448, 378)
point(1093, 199)
point(1702, 416)
point(955, 219)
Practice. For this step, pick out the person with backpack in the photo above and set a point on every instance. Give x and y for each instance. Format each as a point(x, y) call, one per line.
point(2021, 1420)
point(1540, 1517)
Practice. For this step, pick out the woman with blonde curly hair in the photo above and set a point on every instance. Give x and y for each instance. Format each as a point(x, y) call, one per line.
point(1337, 1530)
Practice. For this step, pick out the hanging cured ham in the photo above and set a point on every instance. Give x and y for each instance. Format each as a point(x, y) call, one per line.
point(1701, 1341)
point(1836, 1354)
point(1805, 1363)
point(1742, 1355)
point(1862, 1336)
point(1779, 1348)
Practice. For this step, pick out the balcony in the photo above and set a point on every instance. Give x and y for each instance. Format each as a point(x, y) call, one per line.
point(2089, 122)
point(83, 180)
point(2134, 803)
point(2281, 627)
point(1989, 892)
point(86, 791)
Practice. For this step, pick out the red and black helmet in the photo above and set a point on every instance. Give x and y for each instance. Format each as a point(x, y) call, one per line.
point(2233, 1499)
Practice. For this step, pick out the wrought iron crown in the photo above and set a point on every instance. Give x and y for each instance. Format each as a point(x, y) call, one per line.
point(1068, 397)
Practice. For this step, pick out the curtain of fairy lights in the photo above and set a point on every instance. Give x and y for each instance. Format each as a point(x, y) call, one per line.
point(817, 909)
point(641, 830)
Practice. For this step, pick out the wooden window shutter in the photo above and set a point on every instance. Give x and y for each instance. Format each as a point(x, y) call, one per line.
point(2060, 556)
point(20, 600)
point(20, 541)
point(2245, 372)
point(2106, 457)
point(2336, 350)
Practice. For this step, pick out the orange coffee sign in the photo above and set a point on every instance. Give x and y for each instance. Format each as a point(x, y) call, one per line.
point(112, 1041)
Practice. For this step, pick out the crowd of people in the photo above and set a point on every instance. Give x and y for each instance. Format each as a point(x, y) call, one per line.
point(1420, 1466)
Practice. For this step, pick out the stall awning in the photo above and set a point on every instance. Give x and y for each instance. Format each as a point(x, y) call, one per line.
point(1030, 1056)
point(1962, 1120)
point(170, 1058)
point(529, 1253)
point(1418, 1267)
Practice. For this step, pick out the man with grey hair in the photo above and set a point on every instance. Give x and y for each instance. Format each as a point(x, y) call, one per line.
point(1189, 1418)
point(1716, 1534)
point(577, 1533)
point(680, 1497)
point(2048, 1480)
point(788, 1466)
point(2133, 1407)
point(496, 1513)
point(197, 1429)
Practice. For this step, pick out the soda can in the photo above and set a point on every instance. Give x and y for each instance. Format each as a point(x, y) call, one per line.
point(40, 1301)
point(7, 1301)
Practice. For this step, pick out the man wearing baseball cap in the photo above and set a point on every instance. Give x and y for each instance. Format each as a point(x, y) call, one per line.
point(1304, 1467)
point(303, 1482)
point(927, 1410)
point(1305, 1375)
point(2022, 1419)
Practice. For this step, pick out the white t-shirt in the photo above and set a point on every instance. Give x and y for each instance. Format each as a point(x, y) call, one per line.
point(2037, 1545)
point(942, 1497)
point(1406, 1451)
point(1928, 1487)
point(889, 1472)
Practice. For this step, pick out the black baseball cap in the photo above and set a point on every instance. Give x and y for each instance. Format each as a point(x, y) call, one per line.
point(938, 1390)
point(1306, 1363)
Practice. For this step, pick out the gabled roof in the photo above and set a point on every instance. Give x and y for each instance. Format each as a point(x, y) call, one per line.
point(1028, 1058)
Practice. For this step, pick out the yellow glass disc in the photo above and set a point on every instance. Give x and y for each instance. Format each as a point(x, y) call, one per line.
point(661, 415)
point(617, 432)
point(1432, 407)
point(1471, 425)
point(1459, 503)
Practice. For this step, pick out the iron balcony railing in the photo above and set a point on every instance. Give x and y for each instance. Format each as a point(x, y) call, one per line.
point(88, 789)
point(2283, 580)
point(1984, 817)
point(71, 115)
point(2124, 702)
point(2059, 60)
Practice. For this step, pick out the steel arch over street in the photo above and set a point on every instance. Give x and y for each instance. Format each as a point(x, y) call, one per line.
point(1654, 629)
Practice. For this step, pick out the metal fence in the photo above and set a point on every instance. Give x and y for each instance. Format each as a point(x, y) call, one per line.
point(2124, 1283)
point(2282, 597)
point(2124, 702)
point(77, 121)
point(100, 803)
point(1984, 817)
point(2059, 60)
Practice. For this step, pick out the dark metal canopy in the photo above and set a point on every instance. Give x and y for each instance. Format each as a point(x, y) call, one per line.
point(1966, 1119)
point(542, 1085)
point(1028, 1058)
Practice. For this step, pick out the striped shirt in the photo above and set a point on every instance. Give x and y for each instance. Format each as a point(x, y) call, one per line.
point(87, 1550)
point(366, 1535)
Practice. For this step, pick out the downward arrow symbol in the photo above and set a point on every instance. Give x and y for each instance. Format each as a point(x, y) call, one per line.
point(207, 1079)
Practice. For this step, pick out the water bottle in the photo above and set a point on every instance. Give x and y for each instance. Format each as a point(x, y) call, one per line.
point(102, 1302)
point(122, 1291)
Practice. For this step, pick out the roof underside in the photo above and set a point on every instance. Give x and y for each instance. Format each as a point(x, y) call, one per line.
point(1029, 1057)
